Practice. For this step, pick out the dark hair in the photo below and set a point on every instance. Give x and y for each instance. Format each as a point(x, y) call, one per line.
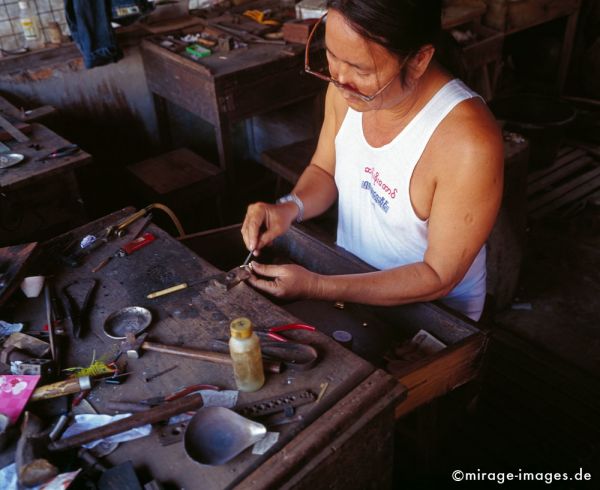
point(400, 26)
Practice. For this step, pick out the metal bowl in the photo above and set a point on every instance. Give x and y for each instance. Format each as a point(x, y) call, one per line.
point(132, 319)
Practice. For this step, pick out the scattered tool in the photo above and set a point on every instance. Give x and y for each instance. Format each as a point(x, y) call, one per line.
point(208, 430)
point(133, 347)
point(78, 312)
point(65, 151)
point(163, 412)
point(227, 279)
point(247, 260)
point(148, 403)
point(149, 378)
point(270, 406)
point(62, 388)
point(31, 469)
point(272, 332)
point(131, 319)
point(292, 355)
point(261, 16)
point(49, 320)
point(128, 249)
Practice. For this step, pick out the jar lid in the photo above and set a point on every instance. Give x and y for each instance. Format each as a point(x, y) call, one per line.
point(241, 328)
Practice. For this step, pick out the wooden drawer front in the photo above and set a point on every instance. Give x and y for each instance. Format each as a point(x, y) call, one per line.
point(433, 377)
point(263, 94)
point(180, 81)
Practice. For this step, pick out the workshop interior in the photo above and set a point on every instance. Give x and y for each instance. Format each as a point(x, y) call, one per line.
point(138, 351)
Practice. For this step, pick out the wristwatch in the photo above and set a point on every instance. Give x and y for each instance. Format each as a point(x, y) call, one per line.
point(297, 201)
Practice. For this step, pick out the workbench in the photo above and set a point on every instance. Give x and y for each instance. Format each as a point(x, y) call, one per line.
point(225, 89)
point(343, 440)
point(50, 186)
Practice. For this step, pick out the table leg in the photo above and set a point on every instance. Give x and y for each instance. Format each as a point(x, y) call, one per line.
point(224, 147)
point(162, 119)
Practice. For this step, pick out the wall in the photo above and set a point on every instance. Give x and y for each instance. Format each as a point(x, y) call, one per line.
point(11, 34)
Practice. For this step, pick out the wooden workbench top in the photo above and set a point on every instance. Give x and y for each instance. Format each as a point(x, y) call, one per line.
point(30, 170)
point(193, 318)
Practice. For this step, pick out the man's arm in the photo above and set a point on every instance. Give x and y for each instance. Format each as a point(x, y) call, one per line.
point(316, 187)
point(467, 195)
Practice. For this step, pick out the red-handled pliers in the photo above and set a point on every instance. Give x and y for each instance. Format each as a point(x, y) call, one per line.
point(272, 332)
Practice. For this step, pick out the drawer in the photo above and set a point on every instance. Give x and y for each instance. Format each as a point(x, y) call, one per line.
point(374, 329)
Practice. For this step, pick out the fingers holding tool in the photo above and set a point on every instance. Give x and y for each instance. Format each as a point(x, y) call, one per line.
point(264, 223)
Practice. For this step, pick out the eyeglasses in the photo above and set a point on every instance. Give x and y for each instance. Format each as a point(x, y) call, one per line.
point(328, 78)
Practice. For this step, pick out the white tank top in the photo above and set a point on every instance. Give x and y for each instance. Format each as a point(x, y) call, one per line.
point(376, 219)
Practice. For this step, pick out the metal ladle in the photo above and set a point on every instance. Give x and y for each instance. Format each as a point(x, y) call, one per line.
point(216, 435)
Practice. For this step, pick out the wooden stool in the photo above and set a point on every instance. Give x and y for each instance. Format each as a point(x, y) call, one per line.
point(181, 179)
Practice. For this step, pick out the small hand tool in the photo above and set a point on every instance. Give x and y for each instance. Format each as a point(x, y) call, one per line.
point(261, 16)
point(77, 311)
point(48, 301)
point(229, 279)
point(292, 355)
point(247, 261)
point(149, 378)
point(133, 347)
point(272, 332)
point(192, 402)
point(128, 249)
point(65, 151)
point(148, 403)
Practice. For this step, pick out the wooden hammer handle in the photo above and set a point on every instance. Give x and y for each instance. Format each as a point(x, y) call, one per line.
point(217, 357)
point(163, 412)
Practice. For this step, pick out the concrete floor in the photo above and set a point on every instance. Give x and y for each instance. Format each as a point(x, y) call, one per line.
point(559, 289)
point(537, 407)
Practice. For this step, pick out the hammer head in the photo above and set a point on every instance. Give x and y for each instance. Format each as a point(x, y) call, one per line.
point(132, 345)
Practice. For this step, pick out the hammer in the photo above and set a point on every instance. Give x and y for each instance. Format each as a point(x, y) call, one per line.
point(133, 346)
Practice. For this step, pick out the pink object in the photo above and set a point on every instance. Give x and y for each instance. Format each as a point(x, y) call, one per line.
point(15, 391)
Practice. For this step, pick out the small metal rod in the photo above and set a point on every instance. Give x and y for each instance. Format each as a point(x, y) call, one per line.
point(48, 300)
point(160, 373)
point(247, 259)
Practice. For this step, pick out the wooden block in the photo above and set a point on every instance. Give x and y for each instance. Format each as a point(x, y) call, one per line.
point(297, 30)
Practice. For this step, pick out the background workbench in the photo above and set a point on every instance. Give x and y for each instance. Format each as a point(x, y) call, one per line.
point(38, 197)
point(226, 89)
point(364, 397)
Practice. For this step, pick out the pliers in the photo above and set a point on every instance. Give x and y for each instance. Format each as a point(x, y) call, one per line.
point(78, 311)
point(272, 332)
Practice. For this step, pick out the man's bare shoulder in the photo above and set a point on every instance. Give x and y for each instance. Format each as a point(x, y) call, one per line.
point(469, 134)
point(337, 104)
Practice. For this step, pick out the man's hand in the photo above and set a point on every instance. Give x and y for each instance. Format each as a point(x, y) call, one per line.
point(285, 281)
point(265, 222)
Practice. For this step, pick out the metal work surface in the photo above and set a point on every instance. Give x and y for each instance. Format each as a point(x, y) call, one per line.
point(192, 318)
